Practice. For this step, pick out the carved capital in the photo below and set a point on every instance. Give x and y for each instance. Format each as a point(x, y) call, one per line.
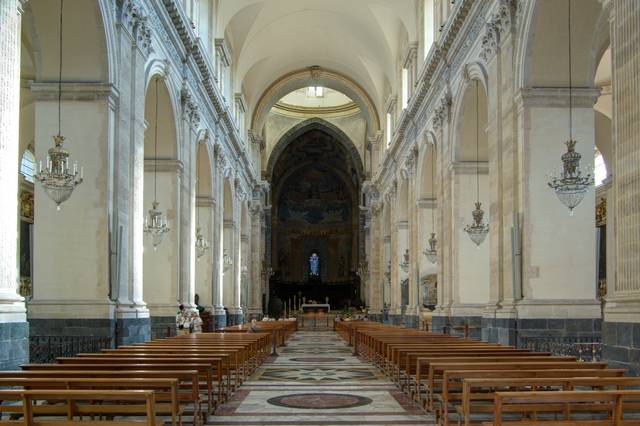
point(134, 19)
point(190, 111)
point(441, 113)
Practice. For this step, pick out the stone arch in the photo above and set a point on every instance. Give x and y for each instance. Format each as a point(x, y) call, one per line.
point(313, 77)
point(463, 134)
point(315, 123)
point(542, 50)
point(427, 151)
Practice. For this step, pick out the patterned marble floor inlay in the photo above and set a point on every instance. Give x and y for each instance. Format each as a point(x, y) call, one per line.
point(319, 400)
point(316, 359)
point(315, 380)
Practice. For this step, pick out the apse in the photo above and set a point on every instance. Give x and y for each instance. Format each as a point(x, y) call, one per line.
point(315, 218)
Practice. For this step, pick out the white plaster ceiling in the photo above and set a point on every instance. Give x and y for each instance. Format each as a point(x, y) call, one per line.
point(361, 39)
point(329, 98)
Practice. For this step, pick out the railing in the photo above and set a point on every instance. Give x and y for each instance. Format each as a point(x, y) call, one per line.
point(45, 349)
point(585, 349)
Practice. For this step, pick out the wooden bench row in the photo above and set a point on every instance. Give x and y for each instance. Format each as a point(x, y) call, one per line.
point(149, 383)
point(459, 380)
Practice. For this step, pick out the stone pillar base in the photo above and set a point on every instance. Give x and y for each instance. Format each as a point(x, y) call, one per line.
point(235, 316)
point(218, 318)
point(621, 345)
point(14, 344)
point(133, 330)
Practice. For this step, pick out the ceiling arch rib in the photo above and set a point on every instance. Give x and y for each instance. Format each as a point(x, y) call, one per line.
point(346, 36)
point(315, 77)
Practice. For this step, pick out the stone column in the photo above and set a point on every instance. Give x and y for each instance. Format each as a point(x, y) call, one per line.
point(14, 329)
point(375, 263)
point(444, 214)
point(558, 264)
point(218, 313)
point(134, 47)
point(205, 264)
point(621, 329)
point(413, 308)
point(255, 264)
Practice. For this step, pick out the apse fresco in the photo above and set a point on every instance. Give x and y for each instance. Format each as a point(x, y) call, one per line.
point(314, 197)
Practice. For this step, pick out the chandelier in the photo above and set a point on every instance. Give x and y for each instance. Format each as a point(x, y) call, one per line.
point(57, 179)
point(432, 252)
point(227, 261)
point(573, 182)
point(478, 230)
point(155, 224)
point(405, 261)
point(202, 244)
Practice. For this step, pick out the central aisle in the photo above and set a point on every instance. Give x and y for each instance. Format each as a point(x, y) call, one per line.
point(316, 380)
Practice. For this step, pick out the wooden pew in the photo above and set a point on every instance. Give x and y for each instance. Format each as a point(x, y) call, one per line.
point(436, 370)
point(74, 403)
point(204, 371)
point(165, 392)
point(611, 407)
point(478, 395)
point(188, 381)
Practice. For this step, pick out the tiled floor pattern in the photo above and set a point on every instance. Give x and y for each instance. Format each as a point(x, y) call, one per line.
point(316, 380)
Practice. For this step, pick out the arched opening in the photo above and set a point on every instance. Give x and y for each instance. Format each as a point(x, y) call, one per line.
point(427, 224)
point(204, 228)
point(162, 174)
point(315, 182)
point(471, 185)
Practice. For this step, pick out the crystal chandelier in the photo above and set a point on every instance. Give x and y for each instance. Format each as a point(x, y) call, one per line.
point(202, 244)
point(57, 179)
point(432, 252)
point(155, 224)
point(405, 261)
point(227, 261)
point(478, 230)
point(573, 182)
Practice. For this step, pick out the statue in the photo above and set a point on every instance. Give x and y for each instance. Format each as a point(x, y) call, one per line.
point(314, 265)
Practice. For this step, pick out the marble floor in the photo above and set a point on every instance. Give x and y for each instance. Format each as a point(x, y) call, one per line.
point(316, 380)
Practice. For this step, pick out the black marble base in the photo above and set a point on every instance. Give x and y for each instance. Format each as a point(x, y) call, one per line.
point(133, 330)
point(218, 321)
point(255, 316)
point(14, 345)
point(163, 326)
point(102, 327)
point(235, 319)
point(621, 345)
point(455, 326)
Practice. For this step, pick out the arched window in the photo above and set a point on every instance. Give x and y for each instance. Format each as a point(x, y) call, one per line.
point(600, 168)
point(28, 165)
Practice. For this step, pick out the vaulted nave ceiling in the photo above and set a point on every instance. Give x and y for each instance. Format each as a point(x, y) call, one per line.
point(360, 39)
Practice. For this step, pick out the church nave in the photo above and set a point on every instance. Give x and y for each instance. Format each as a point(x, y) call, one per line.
point(316, 380)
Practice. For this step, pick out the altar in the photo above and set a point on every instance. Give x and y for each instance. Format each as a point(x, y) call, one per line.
point(315, 308)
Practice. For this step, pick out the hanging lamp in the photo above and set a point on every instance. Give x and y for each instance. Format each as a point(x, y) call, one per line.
point(432, 251)
point(155, 224)
point(57, 179)
point(202, 244)
point(573, 183)
point(477, 230)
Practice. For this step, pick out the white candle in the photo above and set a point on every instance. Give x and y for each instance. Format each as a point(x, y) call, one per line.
point(40, 166)
point(81, 172)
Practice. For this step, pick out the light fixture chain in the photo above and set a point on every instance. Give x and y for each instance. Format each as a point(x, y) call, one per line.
point(570, 79)
point(60, 74)
point(477, 146)
point(155, 154)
